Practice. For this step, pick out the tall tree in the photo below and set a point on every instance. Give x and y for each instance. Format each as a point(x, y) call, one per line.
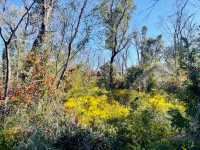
point(182, 30)
point(116, 15)
point(148, 49)
point(73, 20)
point(12, 29)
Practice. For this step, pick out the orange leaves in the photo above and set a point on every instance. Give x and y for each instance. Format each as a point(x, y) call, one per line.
point(49, 82)
point(31, 89)
point(36, 81)
point(24, 93)
point(31, 92)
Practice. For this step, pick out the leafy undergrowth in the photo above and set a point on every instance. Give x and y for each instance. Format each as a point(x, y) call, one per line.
point(85, 116)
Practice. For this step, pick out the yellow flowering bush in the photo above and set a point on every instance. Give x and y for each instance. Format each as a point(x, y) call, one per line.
point(91, 110)
point(12, 133)
point(150, 120)
point(161, 104)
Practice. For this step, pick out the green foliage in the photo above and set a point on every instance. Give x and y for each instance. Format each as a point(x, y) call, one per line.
point(149, 49)
point(36, 126)
point(148, 125)
point(81, 84)
point(116, 16)
point(84, 139)
point(178, 121)
point(143, 129)
point(194, 77)
point(154, 105)
point(126, 97)
point(104, 79)
point(132, 75)
point(91, 120)
point(190, 95)
point(151, 84)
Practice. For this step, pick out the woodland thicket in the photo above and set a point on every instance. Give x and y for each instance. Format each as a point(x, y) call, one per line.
point(67, 83)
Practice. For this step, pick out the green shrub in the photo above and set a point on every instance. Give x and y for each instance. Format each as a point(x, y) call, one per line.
point(83, 85)
point(151, 84)
point(33, 126)
point(132, 75)
point(83, 139)
point(104, 79)
point(148, 124)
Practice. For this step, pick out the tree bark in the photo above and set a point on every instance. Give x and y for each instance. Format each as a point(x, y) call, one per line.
point(7, 71)
point(41, 34)
point(111, 85)
point(65, 68)
point(46, 13)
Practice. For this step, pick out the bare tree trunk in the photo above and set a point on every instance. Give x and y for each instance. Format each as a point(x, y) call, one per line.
point(7, 71)
point(65, 68)
point(111, 85)
point(71, 42)
point(46, 13)
point(138, 55)
point(6, 53)
point(41, 35)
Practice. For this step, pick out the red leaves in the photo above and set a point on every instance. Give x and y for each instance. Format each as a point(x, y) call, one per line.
point(2, 98)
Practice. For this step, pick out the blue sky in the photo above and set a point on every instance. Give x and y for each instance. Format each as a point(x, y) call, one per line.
point(157, 19)
point(140, 13)
point(152, 18)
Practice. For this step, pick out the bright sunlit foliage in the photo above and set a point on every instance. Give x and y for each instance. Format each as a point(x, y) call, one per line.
point(161, 104)
point(90, 110)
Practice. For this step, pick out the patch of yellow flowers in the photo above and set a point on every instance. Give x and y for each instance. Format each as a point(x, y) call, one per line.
point(161, 104)
point(91, 110)
point(12, 133)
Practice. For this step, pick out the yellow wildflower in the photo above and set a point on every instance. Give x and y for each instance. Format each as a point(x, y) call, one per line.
point(92, 110)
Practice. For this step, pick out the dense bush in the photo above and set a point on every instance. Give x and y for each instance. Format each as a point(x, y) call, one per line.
point(34, 126)
point(85, 116)
point(132, 75)
point(82, 84)
point(83, 139)
point(149, 123)
point(95, 122)
point(93, 111)
point(104, 79)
